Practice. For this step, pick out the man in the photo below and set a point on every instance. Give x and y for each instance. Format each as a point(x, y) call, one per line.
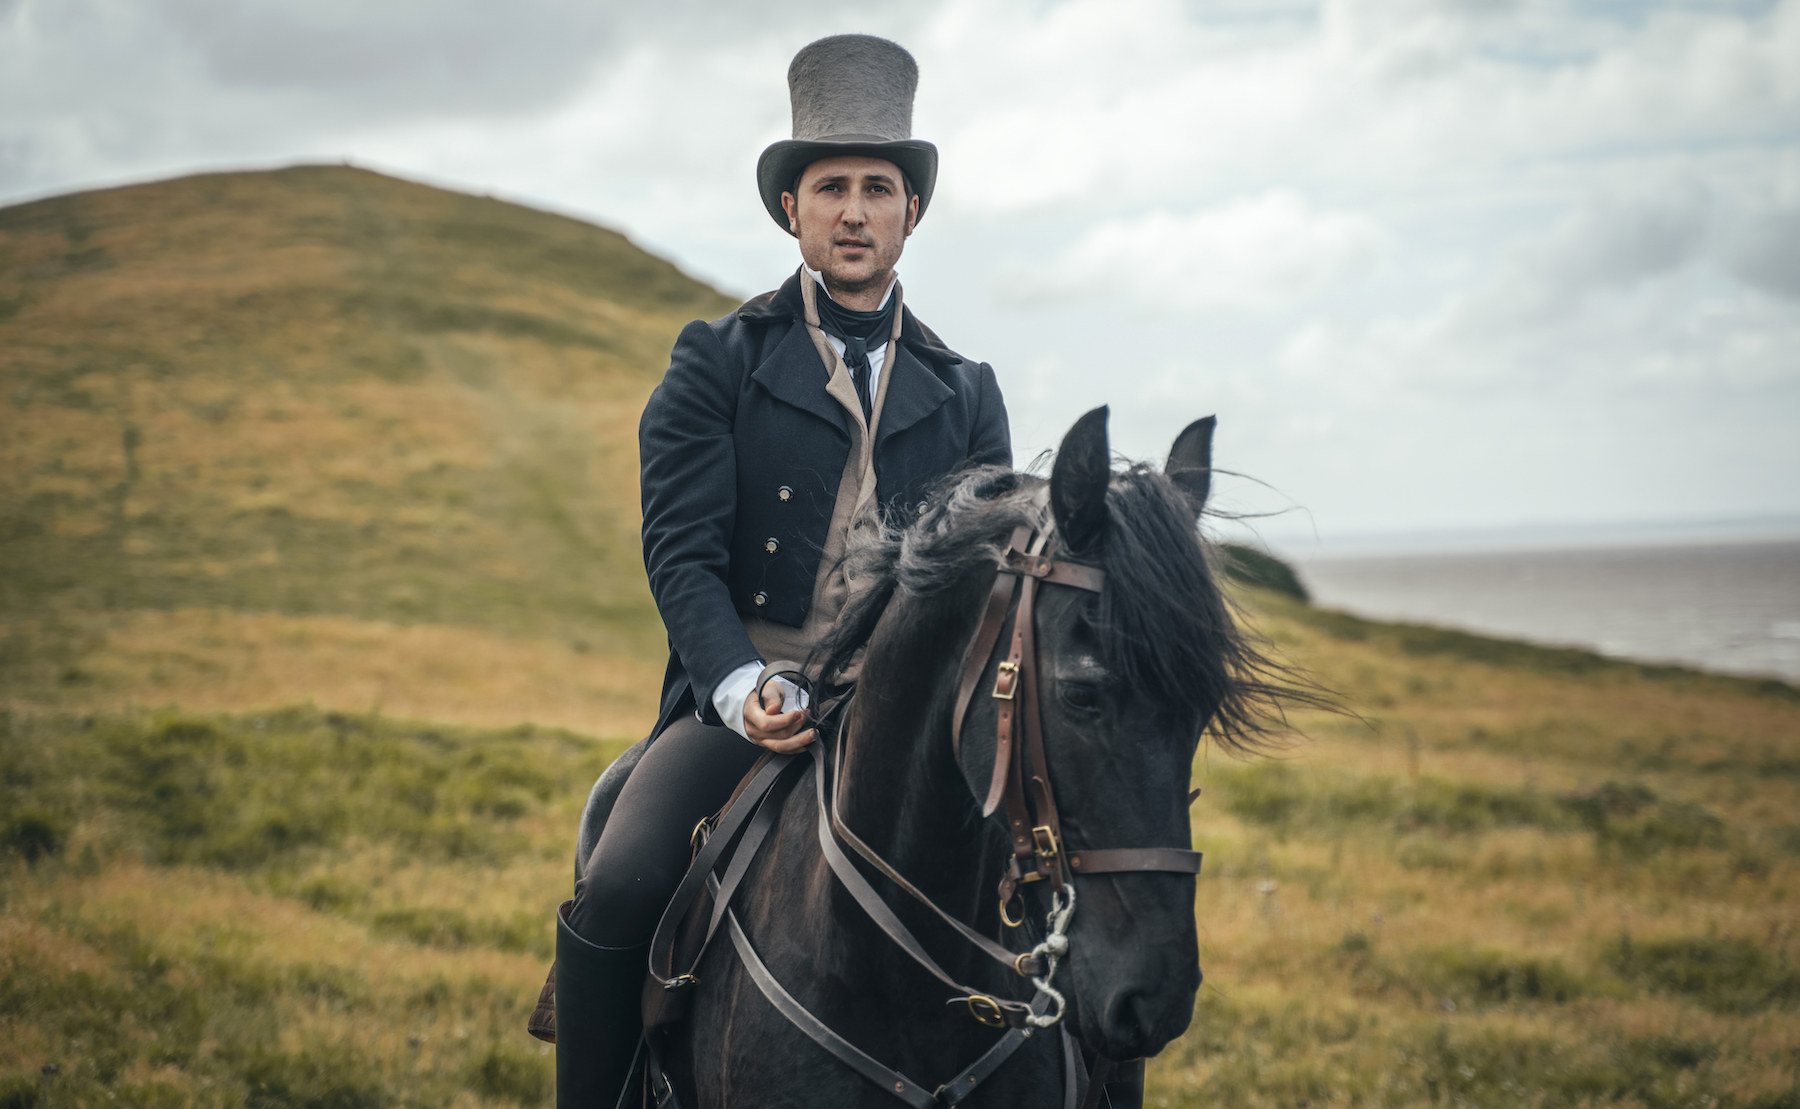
point(778, 432)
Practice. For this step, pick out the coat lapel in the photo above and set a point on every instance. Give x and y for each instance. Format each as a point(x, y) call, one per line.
point(792, 373)
point(914, 392)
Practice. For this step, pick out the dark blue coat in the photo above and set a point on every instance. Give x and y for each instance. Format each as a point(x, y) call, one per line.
point(742, 450)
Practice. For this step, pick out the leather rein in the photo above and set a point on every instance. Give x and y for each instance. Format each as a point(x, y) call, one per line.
point(1020, 781)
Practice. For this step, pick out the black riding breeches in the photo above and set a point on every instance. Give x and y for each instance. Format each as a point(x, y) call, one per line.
point(686, 774)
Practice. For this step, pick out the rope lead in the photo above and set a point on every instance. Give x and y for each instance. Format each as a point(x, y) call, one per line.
point(1054, 947)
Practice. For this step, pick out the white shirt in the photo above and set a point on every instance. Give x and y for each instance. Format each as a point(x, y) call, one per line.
point(729, 697)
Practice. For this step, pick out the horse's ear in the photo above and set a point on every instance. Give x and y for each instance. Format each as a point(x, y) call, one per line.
point(1190, 461)
point(1078, 483)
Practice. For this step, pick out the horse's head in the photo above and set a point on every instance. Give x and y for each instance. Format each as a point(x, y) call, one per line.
point(1124, 679)
point(1127, 679)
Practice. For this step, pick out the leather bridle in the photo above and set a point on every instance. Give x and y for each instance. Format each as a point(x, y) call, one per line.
point(1021, 774)
point(1020, 780)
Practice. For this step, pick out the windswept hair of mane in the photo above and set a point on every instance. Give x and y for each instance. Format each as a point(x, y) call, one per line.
point(1166, 628)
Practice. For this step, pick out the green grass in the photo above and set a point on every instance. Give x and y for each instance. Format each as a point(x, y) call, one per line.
point(263, 795)
point(424, 845)
point(364, 449)
point(322, 391)
point(1725, 974)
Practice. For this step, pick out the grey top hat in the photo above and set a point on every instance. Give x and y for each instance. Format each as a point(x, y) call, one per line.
point(851, 94)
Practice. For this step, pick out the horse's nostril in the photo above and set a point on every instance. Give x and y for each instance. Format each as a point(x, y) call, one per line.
point(1129, 1018)
point(1141, 1021)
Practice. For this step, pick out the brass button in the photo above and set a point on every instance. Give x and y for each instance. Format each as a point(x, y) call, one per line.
point(771, 544)
point(759, 599)
point(785, 493)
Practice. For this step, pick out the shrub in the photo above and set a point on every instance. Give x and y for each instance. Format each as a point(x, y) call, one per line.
point(1277, 795)
point(503, 1072)
point(32, 835)
point(312, 1079)
point(1634, 821)
point(1490, 977)
point(1726, 974)
point(1262, 570)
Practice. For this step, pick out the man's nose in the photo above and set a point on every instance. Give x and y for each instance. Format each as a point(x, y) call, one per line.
point(853, 209)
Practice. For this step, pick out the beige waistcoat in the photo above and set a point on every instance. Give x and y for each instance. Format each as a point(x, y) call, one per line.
point(854, 510)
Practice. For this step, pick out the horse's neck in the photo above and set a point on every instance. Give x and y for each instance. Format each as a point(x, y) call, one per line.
point(902, 790)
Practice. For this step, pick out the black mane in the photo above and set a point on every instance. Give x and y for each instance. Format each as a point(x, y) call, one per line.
point(1165, 627)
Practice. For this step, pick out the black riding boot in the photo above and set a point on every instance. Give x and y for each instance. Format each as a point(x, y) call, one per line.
point(598, 1021)
point(1125, 1086)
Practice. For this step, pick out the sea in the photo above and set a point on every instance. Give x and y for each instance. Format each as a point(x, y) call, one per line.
point(1726, 604)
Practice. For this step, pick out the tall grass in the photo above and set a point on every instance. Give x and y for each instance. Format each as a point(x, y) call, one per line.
point(290, 908)
point(1518, 881)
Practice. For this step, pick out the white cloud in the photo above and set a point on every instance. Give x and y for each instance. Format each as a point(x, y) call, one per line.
point(1105, 107)
point(1679, 282)
point(1365, 231)
point(1256, 254)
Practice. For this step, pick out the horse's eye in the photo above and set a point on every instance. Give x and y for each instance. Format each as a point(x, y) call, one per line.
point(1080, 696)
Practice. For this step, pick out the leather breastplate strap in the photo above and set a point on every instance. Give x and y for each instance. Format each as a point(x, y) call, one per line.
point(762, 795)
point(752, 810)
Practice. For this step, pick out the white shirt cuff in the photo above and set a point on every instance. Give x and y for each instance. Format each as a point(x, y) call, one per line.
point(731, 693)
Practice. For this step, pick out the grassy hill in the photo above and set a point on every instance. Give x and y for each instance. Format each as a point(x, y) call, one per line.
point(268, 430)
point(320, 607)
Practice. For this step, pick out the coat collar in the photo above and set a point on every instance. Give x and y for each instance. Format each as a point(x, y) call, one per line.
point(792, 370)
point(784, 304)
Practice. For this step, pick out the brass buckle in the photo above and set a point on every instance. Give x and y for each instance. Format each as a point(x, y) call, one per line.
point(1006, 682)
point(681, 980)
point(986, 1010)
point(1019, 964)
point(1046, 841)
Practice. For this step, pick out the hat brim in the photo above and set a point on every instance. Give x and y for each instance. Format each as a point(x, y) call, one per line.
point(782, 162)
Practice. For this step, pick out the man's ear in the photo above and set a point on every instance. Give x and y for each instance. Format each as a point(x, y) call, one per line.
point(791, 205)
point(912, 213)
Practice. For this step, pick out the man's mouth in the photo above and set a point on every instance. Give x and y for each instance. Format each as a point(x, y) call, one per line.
point(855, 243)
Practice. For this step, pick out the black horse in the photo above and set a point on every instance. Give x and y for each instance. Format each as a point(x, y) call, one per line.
point(1128, 679)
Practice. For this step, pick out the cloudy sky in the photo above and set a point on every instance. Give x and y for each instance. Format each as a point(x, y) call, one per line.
point(1435, 265)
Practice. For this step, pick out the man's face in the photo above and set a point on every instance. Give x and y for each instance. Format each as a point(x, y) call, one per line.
point(852, 215)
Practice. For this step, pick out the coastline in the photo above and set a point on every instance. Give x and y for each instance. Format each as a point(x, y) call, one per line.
point(1721, 605)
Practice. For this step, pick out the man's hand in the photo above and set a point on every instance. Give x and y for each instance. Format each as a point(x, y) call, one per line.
point(769, 727)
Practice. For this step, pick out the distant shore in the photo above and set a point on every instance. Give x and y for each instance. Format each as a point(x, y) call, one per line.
point(1305, 546)
point(1725, 604)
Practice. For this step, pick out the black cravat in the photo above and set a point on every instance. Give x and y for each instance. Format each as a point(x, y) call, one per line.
point(860, 331)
